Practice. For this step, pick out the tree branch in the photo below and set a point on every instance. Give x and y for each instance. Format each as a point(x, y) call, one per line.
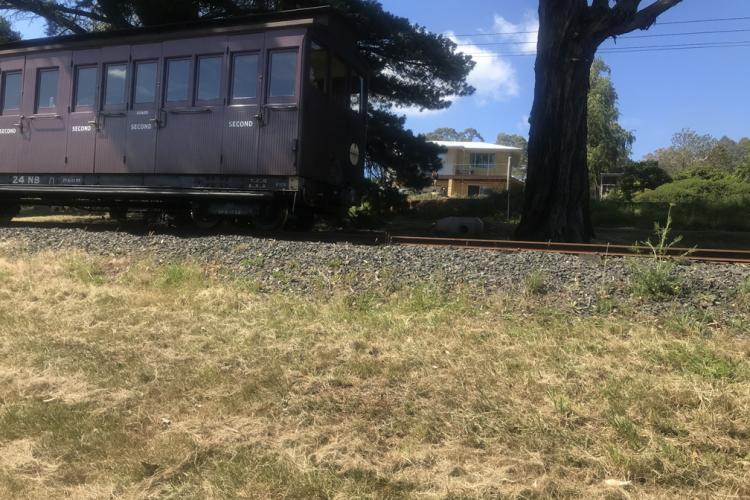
point(639, 20)
point(51, 12)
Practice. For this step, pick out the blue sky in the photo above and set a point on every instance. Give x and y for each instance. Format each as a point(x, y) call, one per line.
point(660, 92)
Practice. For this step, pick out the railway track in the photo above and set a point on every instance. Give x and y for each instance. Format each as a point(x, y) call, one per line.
point(692, 254)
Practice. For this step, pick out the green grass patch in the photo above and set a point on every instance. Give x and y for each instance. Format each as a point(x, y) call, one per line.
point(702, 361)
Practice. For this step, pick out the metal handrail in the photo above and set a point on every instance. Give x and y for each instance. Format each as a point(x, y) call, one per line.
point(469, 169)
point(41, 116)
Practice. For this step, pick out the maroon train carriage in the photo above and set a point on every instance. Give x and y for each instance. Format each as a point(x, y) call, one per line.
point(252, 118)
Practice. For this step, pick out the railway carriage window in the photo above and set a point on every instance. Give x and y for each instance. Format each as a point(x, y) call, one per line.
point(283, 79)
point(244, 77)
point(145, 82)
point(114, 85)
point(11, 96)
point(356, 102)
point(85, 87)
point(209, 78)
point(178, 80)
point(339, 77)
point(46, 90)
point(319, 68)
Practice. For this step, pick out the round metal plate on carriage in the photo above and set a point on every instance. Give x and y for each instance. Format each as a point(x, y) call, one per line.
point(354, 154)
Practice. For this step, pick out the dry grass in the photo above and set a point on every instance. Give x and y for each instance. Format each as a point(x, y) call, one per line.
point(128, 379)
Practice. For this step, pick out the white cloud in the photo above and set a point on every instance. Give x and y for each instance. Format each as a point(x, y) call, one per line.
point(494, 76)
point(522, 125)
point(525, 34)
point(416, 112)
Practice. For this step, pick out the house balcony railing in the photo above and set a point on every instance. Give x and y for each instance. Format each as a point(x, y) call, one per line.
point(480, 170)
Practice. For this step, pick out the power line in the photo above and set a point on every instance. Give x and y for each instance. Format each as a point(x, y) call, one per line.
point(693, 21)
point(655, 35)
point(637, 48)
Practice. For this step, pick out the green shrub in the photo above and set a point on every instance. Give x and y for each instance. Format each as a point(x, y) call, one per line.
point(495, 204)
point(699, 215)
point(724, 190)
point(378, 204)
point(639, 177)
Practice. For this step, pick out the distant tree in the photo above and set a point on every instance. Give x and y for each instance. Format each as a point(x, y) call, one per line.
point(744, 146)
point(640, 176)
point(688, 149)
point(6, 32)
point(451, 134)
point(409, 65)
point(557, 196)
point(727, 154)
point(702, 171)
point(517, 141)
point(742, 172)
point(609, 144)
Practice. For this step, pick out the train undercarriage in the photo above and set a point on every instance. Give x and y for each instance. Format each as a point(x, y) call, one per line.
point(202, 202)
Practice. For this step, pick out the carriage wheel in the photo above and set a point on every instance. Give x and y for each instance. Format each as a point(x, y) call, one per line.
point(7, 212)
point(119, 214)
point(303, 219)
point(203, 220)
point(270, 217)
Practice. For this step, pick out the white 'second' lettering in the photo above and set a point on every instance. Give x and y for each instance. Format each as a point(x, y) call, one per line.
point(241, 124)
point(82, 128)
point(8, 131)
point(141, 126)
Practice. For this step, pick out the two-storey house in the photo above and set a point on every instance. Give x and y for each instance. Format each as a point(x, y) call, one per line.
point(475, 168)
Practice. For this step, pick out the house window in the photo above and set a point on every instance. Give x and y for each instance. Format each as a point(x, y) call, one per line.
point(178, 80)
point(474, 191)
point(209, 78)
point(339, 80)
point(114, 85)
point(482, 160)
point(244, 77)
point(145, 82)
point(356, 100)
point(319, 68)
point(85, 88)
point(11, 96)
point(283, 73)
point(46, 91)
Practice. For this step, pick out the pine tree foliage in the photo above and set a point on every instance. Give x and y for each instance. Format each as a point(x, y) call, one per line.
point(6, 32)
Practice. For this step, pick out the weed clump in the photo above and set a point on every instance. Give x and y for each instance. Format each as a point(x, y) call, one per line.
point(536, 283)
point(657, 276)
point(179, 276)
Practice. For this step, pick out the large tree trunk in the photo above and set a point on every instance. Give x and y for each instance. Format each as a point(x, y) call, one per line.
point(557, 204)
point(557, 187)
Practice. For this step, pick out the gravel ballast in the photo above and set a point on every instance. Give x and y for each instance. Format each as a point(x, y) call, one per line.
point(278, 264)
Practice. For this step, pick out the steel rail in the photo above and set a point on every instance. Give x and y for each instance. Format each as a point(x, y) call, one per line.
point(692, 254)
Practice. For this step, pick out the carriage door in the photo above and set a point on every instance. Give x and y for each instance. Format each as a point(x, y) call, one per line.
point(280, 115)
point(189, 140)
point(144, 116)
point(241, 127)
point(82, 129)
point(45, 106)
point(11, 125)
point(112, 119)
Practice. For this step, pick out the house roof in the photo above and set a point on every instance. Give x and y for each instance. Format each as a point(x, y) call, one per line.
point(475, 146)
